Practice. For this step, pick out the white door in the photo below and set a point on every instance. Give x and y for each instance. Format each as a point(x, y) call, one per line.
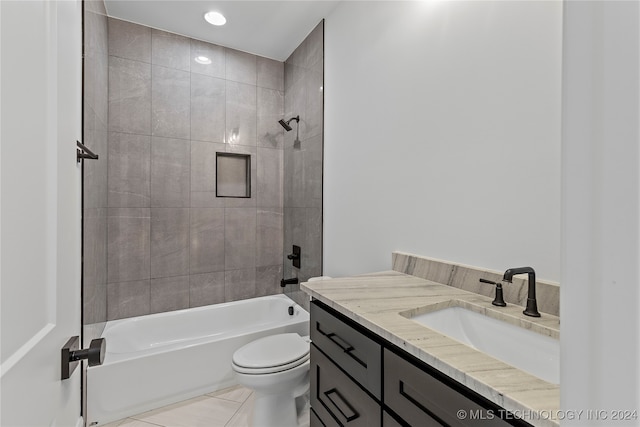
point(40, 223)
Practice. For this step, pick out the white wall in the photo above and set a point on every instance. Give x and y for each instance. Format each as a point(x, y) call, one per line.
point(442, 134)
point(600, 357)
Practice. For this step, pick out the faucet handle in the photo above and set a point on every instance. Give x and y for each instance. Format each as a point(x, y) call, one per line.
point(499, 299)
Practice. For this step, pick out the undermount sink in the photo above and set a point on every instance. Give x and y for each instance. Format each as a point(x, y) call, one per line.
point(521, 348)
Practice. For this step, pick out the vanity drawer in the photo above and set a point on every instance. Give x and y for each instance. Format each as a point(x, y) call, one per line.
point(424, 400)
point(336, 399)
point(354, 352)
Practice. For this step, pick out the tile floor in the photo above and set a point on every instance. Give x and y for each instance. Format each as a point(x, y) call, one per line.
point(231, 407)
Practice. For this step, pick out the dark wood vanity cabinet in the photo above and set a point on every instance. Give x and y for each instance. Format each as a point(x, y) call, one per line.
point(359, 379)
point(338, 400)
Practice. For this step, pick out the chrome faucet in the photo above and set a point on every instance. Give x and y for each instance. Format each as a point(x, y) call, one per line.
point(532, 305)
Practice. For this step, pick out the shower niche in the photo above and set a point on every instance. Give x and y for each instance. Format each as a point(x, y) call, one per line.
point(233, 175)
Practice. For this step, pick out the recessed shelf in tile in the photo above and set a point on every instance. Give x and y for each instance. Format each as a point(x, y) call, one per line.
point(233, 175)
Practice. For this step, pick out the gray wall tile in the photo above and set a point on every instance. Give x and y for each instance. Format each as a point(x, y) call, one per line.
point(207, 240)
point(95, 31)
point(96, 85)
point(129, 96)
point(170, 172)
point(128, 244)
point(205, 289)
point(270, 178)
point(295, 100)
point(129, 170)
point(314, 48)
point(214, 52)
point(241, 114)
point(169, 293)
point(270, 74)
point(130, 41)
point(170, 50)
point(169, 242)
point(95, 6)
point(239, 284)
point(303, 173)
point(270, 109)
point(127, 299)
point(241, 67)
point(96, 183)
point(268, 280)
point(171, 105)
point(94, 267)
point(203, 166)
point(94, 270)
point(311, 123)
point(206, 199)
point(292, 74)
point(208, 107)
point(269, 236)
point(94, 298)
point(240, 238)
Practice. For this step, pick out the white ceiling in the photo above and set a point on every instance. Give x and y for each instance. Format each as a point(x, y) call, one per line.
point(272, 29)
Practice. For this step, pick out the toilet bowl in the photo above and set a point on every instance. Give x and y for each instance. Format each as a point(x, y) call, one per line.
point(276, 368)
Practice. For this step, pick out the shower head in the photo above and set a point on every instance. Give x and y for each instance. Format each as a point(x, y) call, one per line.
point(285, 125)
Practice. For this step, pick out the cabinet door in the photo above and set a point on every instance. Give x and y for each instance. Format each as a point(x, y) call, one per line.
point(354, 352)
point(423, 400)
point(336, 399)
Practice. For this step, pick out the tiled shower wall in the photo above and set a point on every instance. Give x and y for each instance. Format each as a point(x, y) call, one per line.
point(171, 243)
point(303, 148)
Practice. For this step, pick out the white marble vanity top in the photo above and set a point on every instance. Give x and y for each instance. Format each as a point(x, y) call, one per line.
point(383, 303)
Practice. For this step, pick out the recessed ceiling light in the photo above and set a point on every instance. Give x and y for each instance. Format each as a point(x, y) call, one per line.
point(202, 60)
point(215, 18)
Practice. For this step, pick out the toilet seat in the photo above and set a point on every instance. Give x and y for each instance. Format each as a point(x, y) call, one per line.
point(271, 354)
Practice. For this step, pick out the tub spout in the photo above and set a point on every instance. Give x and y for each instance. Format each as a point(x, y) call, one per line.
point(285, 282)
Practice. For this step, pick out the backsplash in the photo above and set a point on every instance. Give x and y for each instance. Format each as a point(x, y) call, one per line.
point(467, 278)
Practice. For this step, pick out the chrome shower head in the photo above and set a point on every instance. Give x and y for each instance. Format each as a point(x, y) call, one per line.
point(285, 125)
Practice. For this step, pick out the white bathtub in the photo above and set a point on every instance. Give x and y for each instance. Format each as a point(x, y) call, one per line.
point(155, 360)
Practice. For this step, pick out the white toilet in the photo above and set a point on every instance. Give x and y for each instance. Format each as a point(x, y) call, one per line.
point(277, 369)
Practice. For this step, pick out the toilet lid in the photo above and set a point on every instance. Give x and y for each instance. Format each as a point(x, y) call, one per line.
point(272, 351)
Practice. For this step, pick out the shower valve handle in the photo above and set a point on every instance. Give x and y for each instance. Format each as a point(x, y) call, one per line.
point(295, 256)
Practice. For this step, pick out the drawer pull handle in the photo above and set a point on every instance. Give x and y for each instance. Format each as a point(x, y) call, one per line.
point(335, 338)
point(344, 345)
point(344, 403)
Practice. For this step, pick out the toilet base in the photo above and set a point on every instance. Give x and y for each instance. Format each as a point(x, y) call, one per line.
point(274, 410)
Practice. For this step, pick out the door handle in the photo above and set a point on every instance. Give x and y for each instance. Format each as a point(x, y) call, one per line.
point(71, 355)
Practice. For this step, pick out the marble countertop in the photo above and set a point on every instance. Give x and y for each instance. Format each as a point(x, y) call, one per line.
point(382, 303)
